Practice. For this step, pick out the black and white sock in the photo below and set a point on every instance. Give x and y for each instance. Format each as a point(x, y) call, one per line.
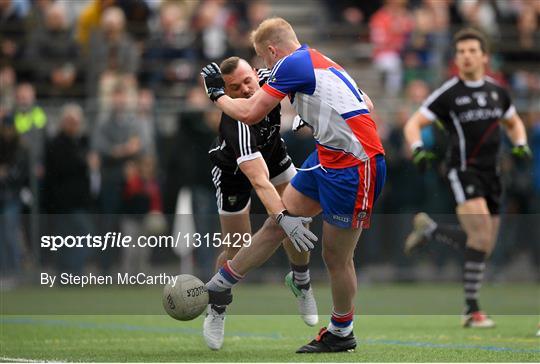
point(473, 273)
point(449, 234)
point(301, 276)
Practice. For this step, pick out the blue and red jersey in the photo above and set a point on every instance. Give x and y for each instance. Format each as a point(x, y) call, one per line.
point(328, 100)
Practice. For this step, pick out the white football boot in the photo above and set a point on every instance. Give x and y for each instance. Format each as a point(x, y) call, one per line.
point(307, 306)
point(422, 227)
point(477, 320)
point(214, 328)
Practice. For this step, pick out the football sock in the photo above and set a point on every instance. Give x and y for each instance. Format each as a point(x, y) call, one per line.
point(341, 324)
point(224, 279)
point(301, 277)
point(473, 273)
point(452, 235)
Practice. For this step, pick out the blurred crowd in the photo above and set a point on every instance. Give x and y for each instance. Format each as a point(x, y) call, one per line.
point(83, 86)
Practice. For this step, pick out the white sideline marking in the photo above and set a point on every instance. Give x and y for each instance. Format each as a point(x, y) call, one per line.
point(23, 360)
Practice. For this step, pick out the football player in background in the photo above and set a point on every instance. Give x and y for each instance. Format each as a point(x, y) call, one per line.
point(473, 108)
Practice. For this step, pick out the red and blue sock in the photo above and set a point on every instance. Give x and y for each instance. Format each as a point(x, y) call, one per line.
point(341, 324)
point(224, 279)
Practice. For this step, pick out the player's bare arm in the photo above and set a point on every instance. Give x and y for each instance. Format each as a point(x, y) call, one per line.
point(413, 128)
point(421, 158)
point(368, 102)
point(515, 129)
point(249, 111)
point(256, 171)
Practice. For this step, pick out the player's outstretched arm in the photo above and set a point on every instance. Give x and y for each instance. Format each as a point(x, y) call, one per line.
point(256, 171)
point(515, 129)
point(249, 111)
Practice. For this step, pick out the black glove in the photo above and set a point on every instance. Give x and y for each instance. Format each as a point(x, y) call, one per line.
point(522, 152)
point(213, 82)
point(423, 158)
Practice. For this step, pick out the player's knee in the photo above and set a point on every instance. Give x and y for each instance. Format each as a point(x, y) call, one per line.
point(334, 260)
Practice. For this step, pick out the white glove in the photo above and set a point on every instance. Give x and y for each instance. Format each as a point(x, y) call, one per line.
point(301, 237)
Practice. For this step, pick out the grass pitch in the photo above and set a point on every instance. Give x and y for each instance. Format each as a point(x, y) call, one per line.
point(273, 337)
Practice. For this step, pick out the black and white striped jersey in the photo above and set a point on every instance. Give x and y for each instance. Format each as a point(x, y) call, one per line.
point(471, 112)
point(238, 142)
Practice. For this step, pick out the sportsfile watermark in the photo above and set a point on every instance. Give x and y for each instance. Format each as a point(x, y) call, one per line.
point(121, 240)
point(119, 265)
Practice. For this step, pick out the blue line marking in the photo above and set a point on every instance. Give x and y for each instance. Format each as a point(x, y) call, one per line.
point(273, 336)
point(449, 346)
point(347, 82)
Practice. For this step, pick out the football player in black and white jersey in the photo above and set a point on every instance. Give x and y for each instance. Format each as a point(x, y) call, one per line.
point(473, 108)
point(245, 158)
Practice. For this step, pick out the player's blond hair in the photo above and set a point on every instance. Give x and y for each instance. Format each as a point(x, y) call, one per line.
point(275, 31)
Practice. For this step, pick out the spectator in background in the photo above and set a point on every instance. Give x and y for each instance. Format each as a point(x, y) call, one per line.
point(480, 14)
point(37, 16)
point(67, 186)
point(440, 13)
point(30, 121)
point(89, 21)
point(519, 230)
point(403, 172)
point(352, 11)
point(66, 161)
point(13, 176)
point(389, 28)
point(28, 116)
point(12, 34)
point(526, 35)
point(116, 140)
point(7, 91)
point(142, 209)
point(214, 22)
point(112, 52)
point(249, 15)
point(198, 129)
point(137, 17)
point(535, 147)
point(145, 117)
point(56, 52)
point(419, 48)
point(168, 63)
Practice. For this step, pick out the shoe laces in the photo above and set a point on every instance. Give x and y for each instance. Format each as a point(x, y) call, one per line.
point(321, 333)
point(215, 315)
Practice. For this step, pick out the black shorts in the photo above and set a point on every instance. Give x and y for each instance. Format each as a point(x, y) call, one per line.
point(233, 189)
point(469, 184)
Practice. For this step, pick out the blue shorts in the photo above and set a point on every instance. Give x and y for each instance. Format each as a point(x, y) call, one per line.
point(346, 195)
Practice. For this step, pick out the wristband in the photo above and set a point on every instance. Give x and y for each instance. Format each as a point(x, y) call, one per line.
point(417, 144)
